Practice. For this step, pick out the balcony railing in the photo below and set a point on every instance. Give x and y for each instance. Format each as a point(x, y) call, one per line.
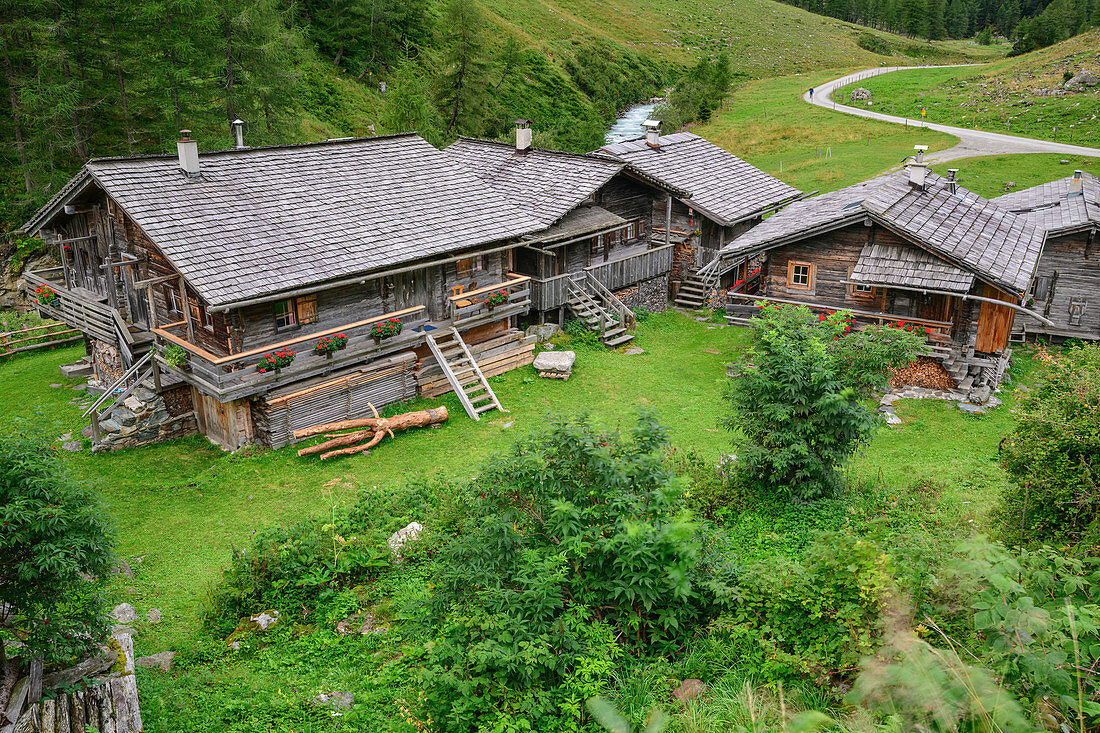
point(75, 308)
point(940, 332)
point(552, 292)
point(236, 375)
point(470, 309)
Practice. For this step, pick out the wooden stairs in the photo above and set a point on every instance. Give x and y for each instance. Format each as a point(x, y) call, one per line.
point(693, 291)
point(610, 326)
point(463, 373)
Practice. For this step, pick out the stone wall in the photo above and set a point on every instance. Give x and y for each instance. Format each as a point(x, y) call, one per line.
point(146, 417)
point(650, 294)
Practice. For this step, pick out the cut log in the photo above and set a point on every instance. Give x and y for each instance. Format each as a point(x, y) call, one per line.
point(376, 429)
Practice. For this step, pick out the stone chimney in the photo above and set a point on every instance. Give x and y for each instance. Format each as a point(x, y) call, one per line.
point(188, 151)
point(652, 133)
point(953, 180)
point(918, 169)
point(238, 134)
point(523, 137)
point(1076, 185)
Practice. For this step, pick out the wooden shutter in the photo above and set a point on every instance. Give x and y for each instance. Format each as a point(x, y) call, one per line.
point(307, 309)
point(994, 322)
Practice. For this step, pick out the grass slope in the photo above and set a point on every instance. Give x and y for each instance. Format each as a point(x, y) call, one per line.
point(1011, 95)
point(766, 123)
point(991, 175)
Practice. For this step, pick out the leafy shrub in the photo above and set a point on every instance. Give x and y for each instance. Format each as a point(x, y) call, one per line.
point(797, 421)
point(874, 44)
point(55, 547)
point(1053, 455)
point(817, 615)
point(863, 358)
point(573, 550)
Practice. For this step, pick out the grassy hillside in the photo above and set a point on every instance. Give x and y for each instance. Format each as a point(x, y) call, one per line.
point(1021, 95)
point(766, 123)
point(995, 174)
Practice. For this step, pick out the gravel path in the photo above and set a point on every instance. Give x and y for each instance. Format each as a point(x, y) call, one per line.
point(971, 142)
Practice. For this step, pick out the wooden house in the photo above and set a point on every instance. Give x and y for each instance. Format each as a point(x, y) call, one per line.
point(728, 197)
point(1066, 286)
point(190, 270)
point(604, 246)
point(909, 246)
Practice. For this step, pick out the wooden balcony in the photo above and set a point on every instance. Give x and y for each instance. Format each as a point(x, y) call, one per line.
point(549, 293)
point(236, 375)
point(81, 309)
point(469, 309)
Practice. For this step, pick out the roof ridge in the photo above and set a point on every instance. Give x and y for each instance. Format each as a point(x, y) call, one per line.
point(255, 148)
point(549, 151)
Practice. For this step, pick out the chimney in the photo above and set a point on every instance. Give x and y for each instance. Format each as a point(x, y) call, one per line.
point(918, 169)
point(652, 133)
point(523, 137)
point(238, 134)
point(188, 151)
point(953, 180)
point(1075, 186)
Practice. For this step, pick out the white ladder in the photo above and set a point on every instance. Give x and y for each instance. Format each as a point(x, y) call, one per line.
point(463, 373)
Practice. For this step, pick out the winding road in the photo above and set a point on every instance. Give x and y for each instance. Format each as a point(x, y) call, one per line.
point(971, 142)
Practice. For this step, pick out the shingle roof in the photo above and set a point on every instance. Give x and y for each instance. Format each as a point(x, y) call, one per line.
point(264, 220)
point(724, 188)
point(963, 228)
point(544, 184)
point(1052, 207)
point(905, 265)
point(578, 222)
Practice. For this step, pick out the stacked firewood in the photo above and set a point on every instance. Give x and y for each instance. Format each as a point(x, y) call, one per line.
point(365, 433)
point(924, 372)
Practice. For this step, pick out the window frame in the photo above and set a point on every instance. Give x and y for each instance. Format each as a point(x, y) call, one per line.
point(173, 300)
point(291, 314)
point(859, 290)
point(811, 272)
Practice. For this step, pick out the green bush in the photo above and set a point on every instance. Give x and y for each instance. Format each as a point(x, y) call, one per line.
point(574, 551)
point(797, 422)
point(815, 616)
point(1053, 455)
point(55, 555)
point(874, 44)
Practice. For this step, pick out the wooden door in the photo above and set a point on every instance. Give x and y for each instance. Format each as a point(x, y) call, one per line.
point(994, 322)
point(934, 307)
point(412, 289)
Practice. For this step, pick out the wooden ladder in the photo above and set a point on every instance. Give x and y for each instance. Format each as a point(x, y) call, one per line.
point(463, 373)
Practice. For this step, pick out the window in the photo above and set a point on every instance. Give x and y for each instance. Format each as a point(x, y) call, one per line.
point(199, 315)
point(172, 298)
point(306, 308)
point(1040, 287)
point(468, 266)
point(285, 316)
point(859, 290)
point(800, 275)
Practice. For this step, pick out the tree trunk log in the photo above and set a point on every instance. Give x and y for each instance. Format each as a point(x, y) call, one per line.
point(407, 420)
point(356, 448)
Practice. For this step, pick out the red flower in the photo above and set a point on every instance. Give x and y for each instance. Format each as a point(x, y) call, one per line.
point(928, 330)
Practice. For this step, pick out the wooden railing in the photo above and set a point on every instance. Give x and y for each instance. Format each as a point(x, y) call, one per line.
point(552, 292)
point(236, 375)
point(96, 319)
point(470, 309)
point(940, 331)
point(37, 337)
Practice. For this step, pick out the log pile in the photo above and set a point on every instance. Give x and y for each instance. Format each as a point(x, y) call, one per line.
point(924, 372)
point(366, 432)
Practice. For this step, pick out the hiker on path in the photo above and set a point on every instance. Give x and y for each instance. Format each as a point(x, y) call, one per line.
point(811, 94)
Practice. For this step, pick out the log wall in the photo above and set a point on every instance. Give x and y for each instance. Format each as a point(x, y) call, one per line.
point(1070, 265)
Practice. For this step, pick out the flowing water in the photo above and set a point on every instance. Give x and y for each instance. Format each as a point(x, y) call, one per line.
point(629, 126)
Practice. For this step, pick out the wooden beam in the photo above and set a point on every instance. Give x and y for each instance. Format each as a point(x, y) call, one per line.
point(186, 303)
point(154, 281)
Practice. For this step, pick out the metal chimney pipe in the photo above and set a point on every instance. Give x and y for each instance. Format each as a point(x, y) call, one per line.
point(523, 136)
point(188, 151)
point(953, 180)
point(652, 133)
point(238, 134)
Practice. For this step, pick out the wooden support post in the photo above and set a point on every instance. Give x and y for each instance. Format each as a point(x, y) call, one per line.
point(668, 220)
point(95, 427)
point(34, 691)
point(152, 304)
point(186, 304)
point(156, 373)
point(64, 264)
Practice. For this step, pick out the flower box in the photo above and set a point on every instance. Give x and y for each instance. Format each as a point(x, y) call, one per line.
point(276, 360)
point(45, 295)
point(500, 297)
point(386, 329)
point(329, 345)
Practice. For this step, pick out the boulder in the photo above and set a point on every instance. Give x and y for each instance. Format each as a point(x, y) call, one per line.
point(1082, 80)
point(124, 613)
point(124, 417)
point(153, 616)
point(337, 700)
point(971, 408)
point(689, 690)
point(161, 661)
point(134, 405)
point(892, 419)
point(544, 331)
point(362, 624)
point(402, 537)
point(73, 446)
point(265, 619)
point(980, 395)
point(555, 363)
point(859, 94)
